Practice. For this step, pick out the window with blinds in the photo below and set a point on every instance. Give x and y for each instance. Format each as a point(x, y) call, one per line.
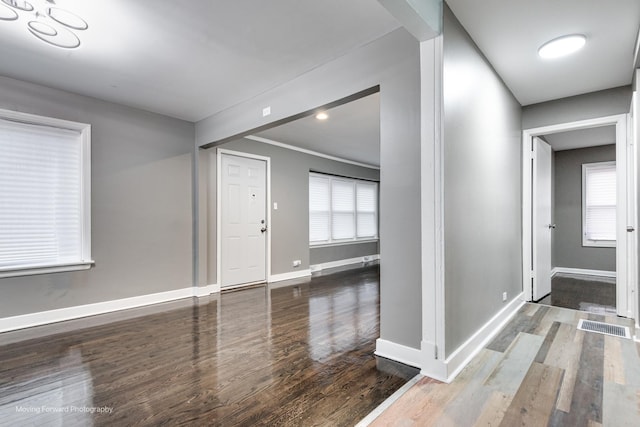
point(44, 195)
point(599, 204)
point(342, 209)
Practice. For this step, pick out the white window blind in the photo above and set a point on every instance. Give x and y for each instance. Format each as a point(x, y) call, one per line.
point(341, 209)
point(599, 203)
point(367, 200)
point(319, 209)
point(42, 204)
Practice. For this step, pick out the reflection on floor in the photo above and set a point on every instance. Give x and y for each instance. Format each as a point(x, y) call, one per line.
point(538, 371)
point(586, 293)
point(298, 355)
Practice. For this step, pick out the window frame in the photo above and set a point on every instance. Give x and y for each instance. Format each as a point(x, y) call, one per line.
point(585, 241)
point(355, 240)
point(84, 130)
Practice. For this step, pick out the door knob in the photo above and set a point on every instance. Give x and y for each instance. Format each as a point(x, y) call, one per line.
point(551, 226)
point(263, 229)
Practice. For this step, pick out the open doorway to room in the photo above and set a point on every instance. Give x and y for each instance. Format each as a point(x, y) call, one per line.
point(578, 203)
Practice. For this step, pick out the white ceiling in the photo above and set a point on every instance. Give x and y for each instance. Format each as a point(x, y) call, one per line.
point(582, 138)
point(509, 33)
point(351, 132)
point(191, 59)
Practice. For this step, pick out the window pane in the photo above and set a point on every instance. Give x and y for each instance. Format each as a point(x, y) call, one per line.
point(342, 196)
point(600, 201)
point(40, 195)
point(343, 227)
point(366, 197)
point(318, 194)
point(367, 226)
point(319, 226)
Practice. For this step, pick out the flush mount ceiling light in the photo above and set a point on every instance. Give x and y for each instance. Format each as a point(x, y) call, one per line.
point(562, 46)
point(322, 116)
point(46, 21)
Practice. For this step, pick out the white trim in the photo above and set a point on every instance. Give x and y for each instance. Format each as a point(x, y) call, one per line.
point(289, 275)
point(310, 152)
point(30, 271)
point(203, 291)
point(582, 272)
point(366, 421)
point(341, 243)
point(69, 313)
point(340, 263)
point(398, 352)
point(626, 261)
point(219, 153)
point(452, 365)
point(432, 203)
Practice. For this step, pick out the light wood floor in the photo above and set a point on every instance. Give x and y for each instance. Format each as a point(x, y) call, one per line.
point(540, 370)
point(298, 355)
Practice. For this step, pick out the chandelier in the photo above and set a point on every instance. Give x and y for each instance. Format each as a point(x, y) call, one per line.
point(45, 21)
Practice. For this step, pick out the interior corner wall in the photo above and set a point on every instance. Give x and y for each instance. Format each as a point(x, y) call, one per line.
point(393, 63)
point(290, 222)
point(567, 214)
point(482, 188)
point(581, 107)
point(141, 207)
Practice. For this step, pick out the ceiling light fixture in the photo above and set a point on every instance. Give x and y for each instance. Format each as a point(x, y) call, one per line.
point(46, 21)
point(562, 46)
point(322, 116)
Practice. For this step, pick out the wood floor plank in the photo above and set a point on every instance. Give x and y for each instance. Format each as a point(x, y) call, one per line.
point(565, 354)
point(621, 406)
point(613, 364)
point(286, 356)
point(493, 410)
point(535, 400)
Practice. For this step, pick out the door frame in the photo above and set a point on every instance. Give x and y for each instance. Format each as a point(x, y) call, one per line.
point(219, 153)
point(626, 261)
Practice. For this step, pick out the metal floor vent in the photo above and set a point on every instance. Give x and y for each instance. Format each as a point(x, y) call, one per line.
point(604, 328)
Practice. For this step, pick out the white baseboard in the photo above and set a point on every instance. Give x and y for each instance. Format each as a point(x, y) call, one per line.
point(289, 275)
point(59, 315)
point(203, 291)
point(340, 263)
point(583, 272)
point(448, 369)
point(398, 352)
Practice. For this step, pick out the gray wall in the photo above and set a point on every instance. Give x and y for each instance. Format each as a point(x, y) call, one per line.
point(290, 223)
point(393, 62)
point(324, 254)
point(591, 105)
point(141, 203)
point(482, 188)
point(568, 251)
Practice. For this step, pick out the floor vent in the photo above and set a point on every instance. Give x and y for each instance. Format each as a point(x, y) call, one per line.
point(604, 328)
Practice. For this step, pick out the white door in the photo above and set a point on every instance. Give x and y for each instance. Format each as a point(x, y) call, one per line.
point(243, 220)
point(542, 223)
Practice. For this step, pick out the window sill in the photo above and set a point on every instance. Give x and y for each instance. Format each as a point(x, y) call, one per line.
point(350, 242)
point(44, 269)
point(599, 243)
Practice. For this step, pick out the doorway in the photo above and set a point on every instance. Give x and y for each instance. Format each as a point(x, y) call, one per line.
point(243, 218)
point(559, 241)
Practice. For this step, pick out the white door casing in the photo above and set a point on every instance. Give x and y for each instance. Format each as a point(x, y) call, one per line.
point(242, 218)
point(626, 283)
point(542, 218)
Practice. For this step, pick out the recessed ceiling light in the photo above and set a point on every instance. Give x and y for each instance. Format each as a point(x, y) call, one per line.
point(562, 46)
point(322, 116)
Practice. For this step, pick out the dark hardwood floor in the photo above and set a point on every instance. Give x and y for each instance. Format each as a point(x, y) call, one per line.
point(584, 293)
point(297, 355)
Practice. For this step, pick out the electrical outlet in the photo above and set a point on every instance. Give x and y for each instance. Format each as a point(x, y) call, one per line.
point(297, 263)
point(504, 296)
